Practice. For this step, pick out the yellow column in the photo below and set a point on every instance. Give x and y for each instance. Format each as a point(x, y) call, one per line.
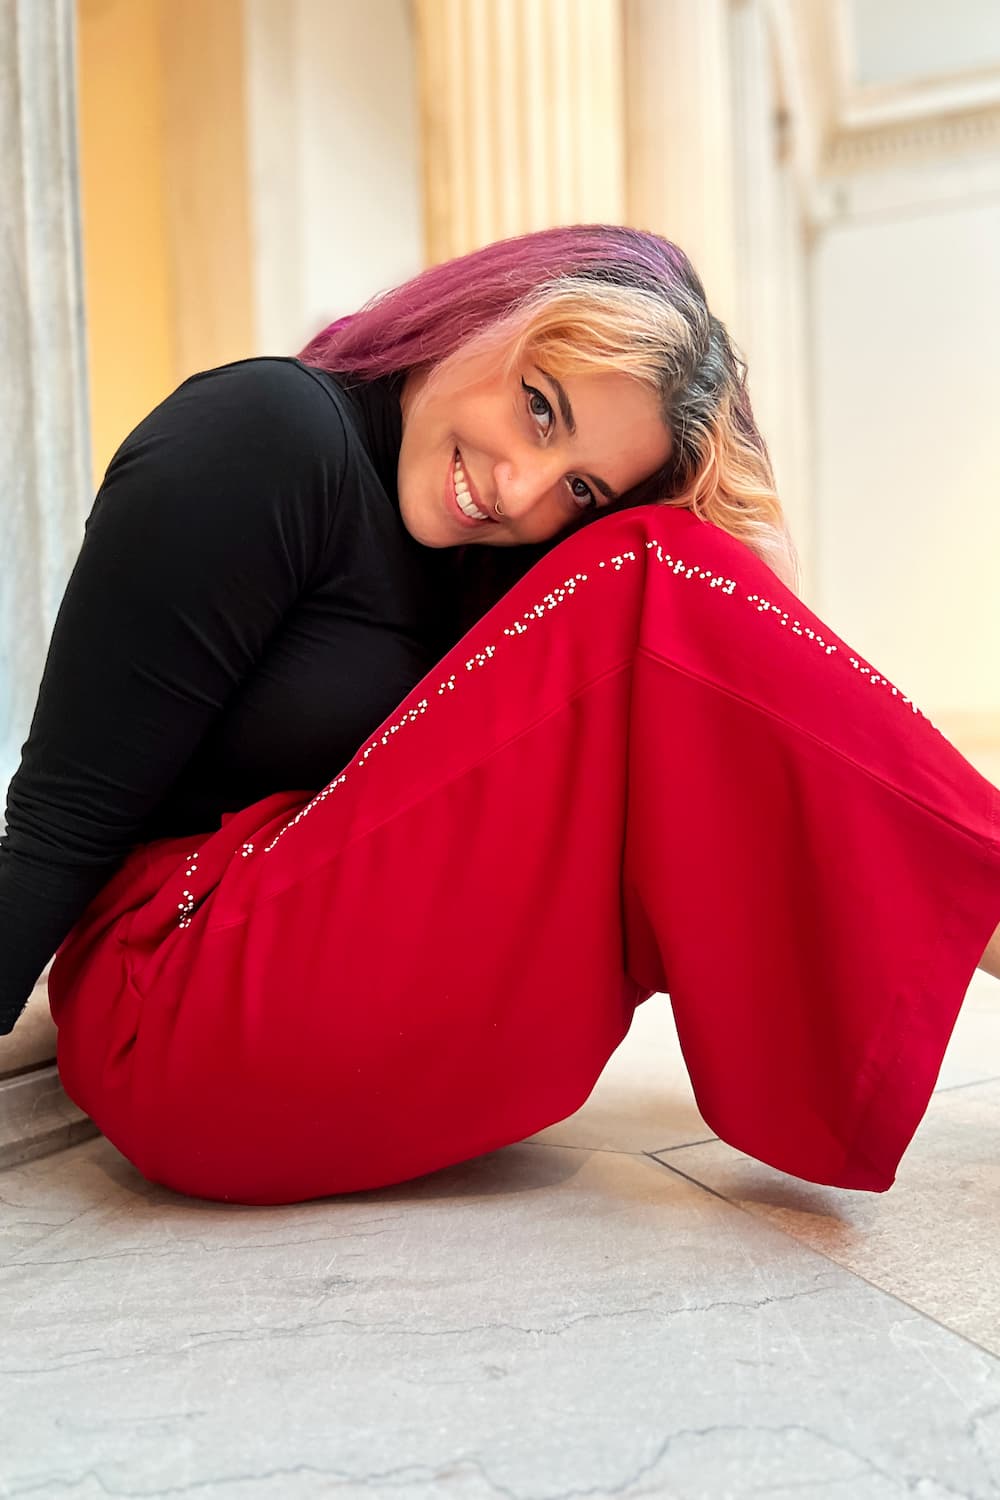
point(522, 117)
point(166, 239)
point(207, 189)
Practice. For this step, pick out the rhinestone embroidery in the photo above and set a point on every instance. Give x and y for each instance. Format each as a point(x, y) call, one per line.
point(186, 907)
point(549, 601)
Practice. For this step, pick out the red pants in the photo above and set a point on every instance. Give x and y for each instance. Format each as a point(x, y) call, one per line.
point(648, 768)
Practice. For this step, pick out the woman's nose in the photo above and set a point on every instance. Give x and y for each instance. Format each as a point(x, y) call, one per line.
point(521, 486)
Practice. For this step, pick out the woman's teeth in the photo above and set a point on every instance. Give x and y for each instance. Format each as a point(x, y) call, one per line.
point(465, 502)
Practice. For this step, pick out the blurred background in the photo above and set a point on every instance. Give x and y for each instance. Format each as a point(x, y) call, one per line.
point(189, 182)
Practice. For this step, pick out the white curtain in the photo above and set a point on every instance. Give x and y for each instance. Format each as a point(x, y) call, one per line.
point(45, 465)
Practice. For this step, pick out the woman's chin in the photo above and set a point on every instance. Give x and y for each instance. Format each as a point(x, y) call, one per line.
point(422, 528)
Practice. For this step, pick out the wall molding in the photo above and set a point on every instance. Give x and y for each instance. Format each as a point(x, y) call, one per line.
point(860, 145)
point(844, 135)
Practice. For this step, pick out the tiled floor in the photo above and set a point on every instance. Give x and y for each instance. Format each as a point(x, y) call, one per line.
point(621, 1306)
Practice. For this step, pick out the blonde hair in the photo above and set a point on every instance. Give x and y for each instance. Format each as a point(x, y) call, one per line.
point(598, 297)
point(719, 466)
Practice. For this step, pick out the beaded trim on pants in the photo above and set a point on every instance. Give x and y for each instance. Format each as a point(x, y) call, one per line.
point(726, 587)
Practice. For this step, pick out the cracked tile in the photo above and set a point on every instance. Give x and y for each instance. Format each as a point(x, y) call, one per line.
point(538, 1321)
point(933, 1239)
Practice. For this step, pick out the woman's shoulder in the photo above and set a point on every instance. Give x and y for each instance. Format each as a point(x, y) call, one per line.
point(246, 405)
point(260, 379)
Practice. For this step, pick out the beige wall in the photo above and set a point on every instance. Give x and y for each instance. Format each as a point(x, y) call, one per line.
point(907, 464)
point(164, 201)
point(334, 153)
point(125, 263)
point(895, 150)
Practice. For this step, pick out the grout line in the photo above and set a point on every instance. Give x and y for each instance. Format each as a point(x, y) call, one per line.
point(974, 1083)
point(683, 1145)
point(693, 1180)
point(569, 1146)
point(920, 1312)
point(618, 1150)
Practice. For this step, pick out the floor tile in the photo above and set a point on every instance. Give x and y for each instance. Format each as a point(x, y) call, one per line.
point(933, 1239)
point(540, 1321)
point(973, 1054)
point(643, 1100)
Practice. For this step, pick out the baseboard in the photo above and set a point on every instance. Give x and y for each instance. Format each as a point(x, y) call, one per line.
point(38, 1117)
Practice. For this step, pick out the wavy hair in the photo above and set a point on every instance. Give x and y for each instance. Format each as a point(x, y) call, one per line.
point(584, 298)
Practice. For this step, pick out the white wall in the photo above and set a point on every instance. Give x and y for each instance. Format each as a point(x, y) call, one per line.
point(906, 326)
point(903, 39)
point(334, 132)
point(886, 150)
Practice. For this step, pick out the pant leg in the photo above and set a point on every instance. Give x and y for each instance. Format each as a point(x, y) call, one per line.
point(648, 768)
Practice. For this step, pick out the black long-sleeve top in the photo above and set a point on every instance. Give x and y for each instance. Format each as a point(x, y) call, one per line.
point(246, 608)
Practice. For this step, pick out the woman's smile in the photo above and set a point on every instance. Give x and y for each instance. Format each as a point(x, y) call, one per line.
point(459, 494)
point(545, 458)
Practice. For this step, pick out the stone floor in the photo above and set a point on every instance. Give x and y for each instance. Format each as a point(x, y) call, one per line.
point(620, 1306)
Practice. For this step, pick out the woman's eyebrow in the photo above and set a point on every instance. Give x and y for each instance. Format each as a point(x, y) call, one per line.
point(562, 398)
point(567, 415)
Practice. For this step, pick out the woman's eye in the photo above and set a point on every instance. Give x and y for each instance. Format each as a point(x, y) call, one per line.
point(533, 396)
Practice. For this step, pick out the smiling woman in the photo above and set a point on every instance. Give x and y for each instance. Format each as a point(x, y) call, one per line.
point(530, 464)
point(573, 369)
point(269, 781)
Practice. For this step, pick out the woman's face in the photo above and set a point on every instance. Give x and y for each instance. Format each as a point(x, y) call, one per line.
point(549, 451)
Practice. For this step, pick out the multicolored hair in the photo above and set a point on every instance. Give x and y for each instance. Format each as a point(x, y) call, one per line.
point(592, 297)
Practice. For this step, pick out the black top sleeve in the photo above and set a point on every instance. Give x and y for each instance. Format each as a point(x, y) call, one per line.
point(212, 519)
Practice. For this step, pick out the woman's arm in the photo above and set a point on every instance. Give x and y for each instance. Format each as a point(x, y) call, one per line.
point(210, 523)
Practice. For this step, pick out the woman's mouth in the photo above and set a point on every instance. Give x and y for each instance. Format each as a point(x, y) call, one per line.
point(459, 496)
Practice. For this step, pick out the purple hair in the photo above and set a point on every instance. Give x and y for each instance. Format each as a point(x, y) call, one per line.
point(719, 466)
point(426, 319)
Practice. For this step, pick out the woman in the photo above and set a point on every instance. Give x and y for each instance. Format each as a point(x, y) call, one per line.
point(576, 764)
